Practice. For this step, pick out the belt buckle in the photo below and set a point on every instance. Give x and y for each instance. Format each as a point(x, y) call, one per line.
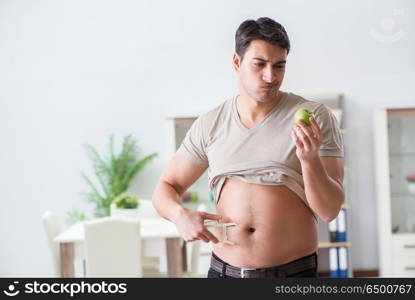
point(246, 269)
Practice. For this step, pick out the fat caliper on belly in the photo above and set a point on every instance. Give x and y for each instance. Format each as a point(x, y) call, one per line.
point(224, 236)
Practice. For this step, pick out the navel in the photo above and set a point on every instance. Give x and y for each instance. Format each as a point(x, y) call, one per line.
point(251, 229)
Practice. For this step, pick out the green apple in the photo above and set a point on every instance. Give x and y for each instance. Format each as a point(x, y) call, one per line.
point(303, 114)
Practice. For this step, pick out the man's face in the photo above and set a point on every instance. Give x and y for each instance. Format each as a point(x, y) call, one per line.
point(262, 70)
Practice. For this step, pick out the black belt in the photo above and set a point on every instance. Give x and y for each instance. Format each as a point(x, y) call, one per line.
point(284, 270)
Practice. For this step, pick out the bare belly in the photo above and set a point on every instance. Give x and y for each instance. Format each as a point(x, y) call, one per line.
point(274, 225)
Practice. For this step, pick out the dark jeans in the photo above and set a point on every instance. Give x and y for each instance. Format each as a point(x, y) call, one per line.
point(306, 273)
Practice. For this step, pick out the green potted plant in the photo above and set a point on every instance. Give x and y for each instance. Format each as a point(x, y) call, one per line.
point(125, 206)
point(411, 182)
point(194, 197)
point(113, 175)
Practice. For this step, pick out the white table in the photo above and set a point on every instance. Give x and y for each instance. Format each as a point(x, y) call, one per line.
point(151, 228)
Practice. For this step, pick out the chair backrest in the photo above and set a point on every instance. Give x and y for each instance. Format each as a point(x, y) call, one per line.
point(113, 247)
point(52, 229)
point(195, 249)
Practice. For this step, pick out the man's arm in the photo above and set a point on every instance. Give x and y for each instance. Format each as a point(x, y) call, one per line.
point(176, 178)
point(323, 176)
point(323, 183)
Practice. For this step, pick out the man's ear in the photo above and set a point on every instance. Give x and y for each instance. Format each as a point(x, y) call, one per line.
point(236, 61)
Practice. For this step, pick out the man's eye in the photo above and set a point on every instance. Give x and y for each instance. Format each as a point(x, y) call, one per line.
point(280, 67)
point(258, 64)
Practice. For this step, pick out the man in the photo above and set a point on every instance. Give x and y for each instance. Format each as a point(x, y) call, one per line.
point(270, 176)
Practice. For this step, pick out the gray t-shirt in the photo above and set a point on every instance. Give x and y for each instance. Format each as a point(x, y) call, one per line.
point(264, 154)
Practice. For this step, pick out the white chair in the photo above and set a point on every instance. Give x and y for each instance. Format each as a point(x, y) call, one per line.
point(195, 252)
point(113, 248)
point(157, 248)
point(154, 261)
point(154, 250)
point(52, 229)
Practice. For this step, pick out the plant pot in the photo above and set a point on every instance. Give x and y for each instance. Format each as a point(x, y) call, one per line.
point(411, 187)
point(129, 213)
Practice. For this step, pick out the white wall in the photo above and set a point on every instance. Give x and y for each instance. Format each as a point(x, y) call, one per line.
point(73, 72)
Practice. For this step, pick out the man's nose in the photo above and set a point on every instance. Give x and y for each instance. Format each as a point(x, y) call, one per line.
point(268, 75)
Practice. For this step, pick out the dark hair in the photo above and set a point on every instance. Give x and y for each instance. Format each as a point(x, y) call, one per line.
point(265, 29)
